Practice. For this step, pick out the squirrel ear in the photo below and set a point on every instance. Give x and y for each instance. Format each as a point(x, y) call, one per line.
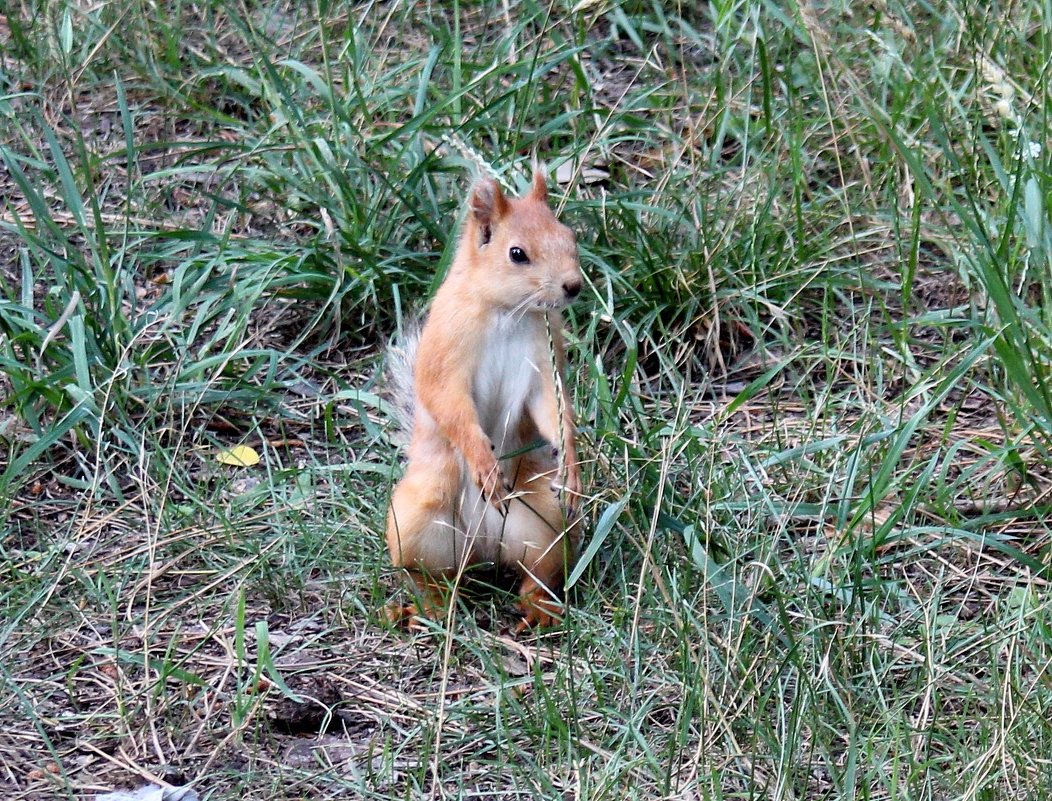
point(539, 188)
point(488, 205)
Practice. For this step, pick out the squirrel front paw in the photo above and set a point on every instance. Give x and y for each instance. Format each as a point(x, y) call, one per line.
point(570, 489)
point(495, 487)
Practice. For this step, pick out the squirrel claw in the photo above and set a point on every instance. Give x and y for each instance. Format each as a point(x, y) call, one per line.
point(570, 490)
point(495, 488)
point(539, 610)
point(407, 616)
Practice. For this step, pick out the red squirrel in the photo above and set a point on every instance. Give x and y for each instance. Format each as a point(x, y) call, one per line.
point(492, 474)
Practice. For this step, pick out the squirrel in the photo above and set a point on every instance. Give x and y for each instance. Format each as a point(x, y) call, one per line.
point(491, 420)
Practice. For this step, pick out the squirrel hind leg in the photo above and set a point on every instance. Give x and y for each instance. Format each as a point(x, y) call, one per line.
point(421, 530)
point(534, 542)
point(423, 539)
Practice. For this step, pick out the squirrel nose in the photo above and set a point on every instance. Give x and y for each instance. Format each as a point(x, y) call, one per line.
point(572, 289)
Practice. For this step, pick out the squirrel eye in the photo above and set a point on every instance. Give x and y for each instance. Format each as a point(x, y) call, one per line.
point(518, 255)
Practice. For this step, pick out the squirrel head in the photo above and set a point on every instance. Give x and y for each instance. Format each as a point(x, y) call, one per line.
point(524, 258)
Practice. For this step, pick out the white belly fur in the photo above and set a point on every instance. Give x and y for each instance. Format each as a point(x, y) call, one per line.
point(506, 379)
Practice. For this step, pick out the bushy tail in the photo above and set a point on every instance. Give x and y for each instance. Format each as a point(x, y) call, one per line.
point(401, 360)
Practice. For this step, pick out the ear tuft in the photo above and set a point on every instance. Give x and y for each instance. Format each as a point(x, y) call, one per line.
point(539, 187)
point(488, 203)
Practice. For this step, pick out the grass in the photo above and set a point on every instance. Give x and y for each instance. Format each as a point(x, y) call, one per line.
point(811, 369)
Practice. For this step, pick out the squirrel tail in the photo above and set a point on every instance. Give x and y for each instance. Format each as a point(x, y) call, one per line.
point(401, 363)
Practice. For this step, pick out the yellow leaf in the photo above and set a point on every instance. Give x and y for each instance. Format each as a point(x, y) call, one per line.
point(238, 456)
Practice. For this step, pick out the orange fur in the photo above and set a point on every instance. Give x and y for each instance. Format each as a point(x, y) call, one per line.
point(473, 491)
